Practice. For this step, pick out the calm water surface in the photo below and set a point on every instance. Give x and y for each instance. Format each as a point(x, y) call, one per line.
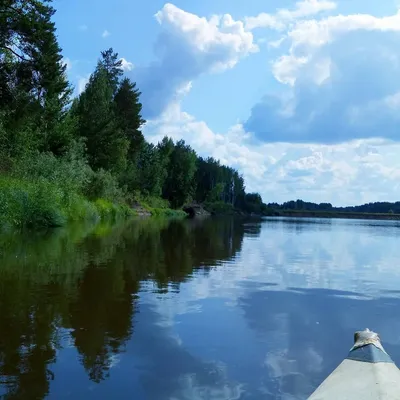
point(214, 309)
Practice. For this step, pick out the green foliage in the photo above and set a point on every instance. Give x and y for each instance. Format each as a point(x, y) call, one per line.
point(215, 194)
point(128, 109)
point(88, 160)
point(70, 173)
point(150, 171)
point(24, 203)
point(104, 185)
point(167, 212)
point(253, 203)
point(151, 202)
point(219, 208)
point(179, 185)
point(380, 207)
point(32, 76)
point(216, 182)
point(111, 211)
point(97, 123)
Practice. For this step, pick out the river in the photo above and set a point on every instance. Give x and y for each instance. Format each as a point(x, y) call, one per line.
point(175, 310)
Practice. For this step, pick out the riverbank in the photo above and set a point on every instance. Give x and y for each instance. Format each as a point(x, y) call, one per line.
point(334, 214)
point(41, 203)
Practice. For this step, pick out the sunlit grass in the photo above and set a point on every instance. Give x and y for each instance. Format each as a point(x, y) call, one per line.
point(41, 203)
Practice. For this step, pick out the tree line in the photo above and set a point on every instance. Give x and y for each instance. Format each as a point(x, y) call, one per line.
point(99, 132)
point(373, 207)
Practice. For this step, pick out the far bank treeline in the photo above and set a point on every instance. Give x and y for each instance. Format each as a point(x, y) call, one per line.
point(383, 207)
point(64, 158)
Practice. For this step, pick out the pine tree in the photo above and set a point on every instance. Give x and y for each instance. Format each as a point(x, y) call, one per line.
point(111, 63)
point(179, 186)
point(106, 146)
point(128, 109)
point(33, 84)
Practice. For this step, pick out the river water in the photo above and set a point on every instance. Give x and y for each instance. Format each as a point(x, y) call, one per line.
point(178, 310)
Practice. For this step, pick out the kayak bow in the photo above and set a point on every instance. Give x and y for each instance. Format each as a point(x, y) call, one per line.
point(368, 373)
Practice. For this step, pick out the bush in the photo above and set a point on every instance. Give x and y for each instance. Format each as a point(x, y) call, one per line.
point(219, 207)
point(104, 185)
point(167, 212)
point(43, 190)
point(154, 202)
point(111, 211)
point(30, 204)
point(70, 173)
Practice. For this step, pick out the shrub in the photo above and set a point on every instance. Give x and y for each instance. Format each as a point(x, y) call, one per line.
point(104, 185)
point(70, 173)
point(30, 204)
point(111, 211)
point(219, 207)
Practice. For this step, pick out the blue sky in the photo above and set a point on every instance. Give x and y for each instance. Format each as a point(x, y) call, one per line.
point(302, 97)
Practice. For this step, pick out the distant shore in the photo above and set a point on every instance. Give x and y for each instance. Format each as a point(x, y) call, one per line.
point(335, 214)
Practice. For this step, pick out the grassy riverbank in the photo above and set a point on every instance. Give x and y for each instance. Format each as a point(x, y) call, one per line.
point(43, 204)
point(41, 190)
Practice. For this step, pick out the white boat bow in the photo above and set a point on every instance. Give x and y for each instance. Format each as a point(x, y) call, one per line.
point(368, 373)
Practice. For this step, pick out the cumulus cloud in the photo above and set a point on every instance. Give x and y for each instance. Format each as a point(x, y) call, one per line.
point(343, 77)
point(280, 20)
point(317, 139)
point(355, 172)
point(187, 47)
point(232, 148)
point(105, 34)
point(126, 65)
point(316, 33)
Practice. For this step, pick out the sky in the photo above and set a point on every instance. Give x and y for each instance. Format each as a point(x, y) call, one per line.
point(302, 97)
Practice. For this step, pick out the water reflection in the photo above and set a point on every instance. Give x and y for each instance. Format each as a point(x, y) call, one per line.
point(304, 334)
point(83, 280)
point(211, 309)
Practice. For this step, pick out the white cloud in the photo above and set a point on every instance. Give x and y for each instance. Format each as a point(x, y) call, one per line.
point(230, 148)
point(105, 34)
point(334, 99)
point(264, 20)
point(217, 35)
point(276, 43)
point(317, 33)
point(280, 20)
point(332, 69)
point(187, 47)
point(126, 65)
point(308, 36)
point(349, 173)
point(286, 67)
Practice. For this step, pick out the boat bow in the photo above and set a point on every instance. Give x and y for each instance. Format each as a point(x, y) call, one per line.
point(367, 373)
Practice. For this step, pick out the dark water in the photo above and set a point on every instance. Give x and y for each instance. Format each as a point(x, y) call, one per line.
point(219, 309)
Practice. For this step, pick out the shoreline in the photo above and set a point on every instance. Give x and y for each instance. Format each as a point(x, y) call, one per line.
point(336, 215)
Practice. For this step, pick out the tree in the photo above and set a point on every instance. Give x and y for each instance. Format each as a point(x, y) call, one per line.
point(33, 84)
point(150, 170)
point(97, 122)
point(128, 109)
point(179, 186)
point(111, 63)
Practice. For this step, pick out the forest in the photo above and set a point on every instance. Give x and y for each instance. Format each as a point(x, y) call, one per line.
point(369, 208)
point(66, 158)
